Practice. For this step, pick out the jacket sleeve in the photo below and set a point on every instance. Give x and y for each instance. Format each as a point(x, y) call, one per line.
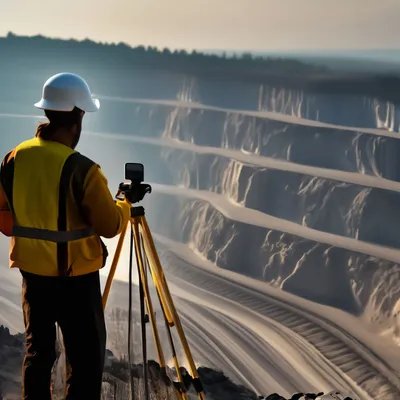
point(6, 221)
point(106, 216)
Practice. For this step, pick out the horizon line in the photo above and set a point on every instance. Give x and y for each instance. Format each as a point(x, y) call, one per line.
point(208, 50)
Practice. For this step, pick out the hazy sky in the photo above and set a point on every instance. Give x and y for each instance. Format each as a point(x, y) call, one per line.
point(211, 24)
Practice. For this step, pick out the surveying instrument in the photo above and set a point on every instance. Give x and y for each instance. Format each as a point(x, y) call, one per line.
point(147, 260)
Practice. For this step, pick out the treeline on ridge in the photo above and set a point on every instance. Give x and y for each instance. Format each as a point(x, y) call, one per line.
point(27, 54)
point(122, 54)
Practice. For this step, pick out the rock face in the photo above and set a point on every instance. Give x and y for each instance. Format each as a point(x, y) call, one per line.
point(11, 355)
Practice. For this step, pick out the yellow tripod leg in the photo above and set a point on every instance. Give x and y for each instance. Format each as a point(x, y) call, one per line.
point(114, 265)
point(160, 292)
point(182, 395)
point(146, 292)
point(167, 295)
point(143, 276)
point(157, 280)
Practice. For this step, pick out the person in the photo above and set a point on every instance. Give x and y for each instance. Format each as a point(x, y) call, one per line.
point(55, 205)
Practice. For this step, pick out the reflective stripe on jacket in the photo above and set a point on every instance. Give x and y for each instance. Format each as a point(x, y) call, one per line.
point(60, 204)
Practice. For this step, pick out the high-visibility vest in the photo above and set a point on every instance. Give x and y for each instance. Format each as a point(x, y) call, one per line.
point(43, 182)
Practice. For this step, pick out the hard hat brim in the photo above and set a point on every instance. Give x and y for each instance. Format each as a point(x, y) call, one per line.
point(91, 105)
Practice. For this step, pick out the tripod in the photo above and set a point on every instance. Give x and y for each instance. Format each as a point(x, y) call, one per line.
point(147, 260)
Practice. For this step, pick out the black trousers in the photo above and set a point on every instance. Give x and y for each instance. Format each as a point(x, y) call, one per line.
point(75, 303)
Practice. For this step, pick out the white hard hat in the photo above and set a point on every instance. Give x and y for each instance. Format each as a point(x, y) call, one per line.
point(64, 92)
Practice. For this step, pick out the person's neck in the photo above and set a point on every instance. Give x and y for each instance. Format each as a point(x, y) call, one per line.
point(62, 136)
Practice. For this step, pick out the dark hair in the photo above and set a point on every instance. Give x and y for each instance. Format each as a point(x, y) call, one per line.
point(57, 119)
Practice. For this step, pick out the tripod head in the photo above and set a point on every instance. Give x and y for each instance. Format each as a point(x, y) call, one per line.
point(136, 190)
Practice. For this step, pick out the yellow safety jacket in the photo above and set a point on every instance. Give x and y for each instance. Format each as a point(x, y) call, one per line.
point(61, 205)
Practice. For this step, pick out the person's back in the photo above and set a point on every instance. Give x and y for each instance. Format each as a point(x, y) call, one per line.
point(56, 188)
point(56, 204)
